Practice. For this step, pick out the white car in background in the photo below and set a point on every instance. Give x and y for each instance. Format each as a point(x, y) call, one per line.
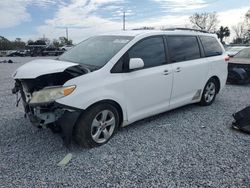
point(113, 80)
point(66, 47)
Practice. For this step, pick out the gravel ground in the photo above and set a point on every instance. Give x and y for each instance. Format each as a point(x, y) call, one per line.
point(192, 146)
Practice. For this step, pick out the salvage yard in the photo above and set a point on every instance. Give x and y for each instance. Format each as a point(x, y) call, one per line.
point(192, 146)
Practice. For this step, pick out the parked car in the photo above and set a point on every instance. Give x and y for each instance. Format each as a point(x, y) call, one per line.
point(36, 48)
point(239, 68)
point(12, 53)
point(51, 51)
point(19, 53)
point(233, 50)
point(108, 81)
point(66, 47)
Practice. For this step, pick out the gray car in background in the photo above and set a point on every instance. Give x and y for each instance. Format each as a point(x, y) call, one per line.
point(239, 67)
point(233, 50)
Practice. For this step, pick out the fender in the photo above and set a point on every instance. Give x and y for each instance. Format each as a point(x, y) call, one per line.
point(79, 101)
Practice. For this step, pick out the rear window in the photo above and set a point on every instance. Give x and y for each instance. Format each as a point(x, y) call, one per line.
point(183, 48)
point(243, 54)
point(211, 46)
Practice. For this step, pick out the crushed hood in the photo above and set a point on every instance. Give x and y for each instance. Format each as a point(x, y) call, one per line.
point(40, 67)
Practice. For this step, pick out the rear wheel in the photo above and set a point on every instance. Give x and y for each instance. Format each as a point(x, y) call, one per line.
point(209, 92)
point(97, 125)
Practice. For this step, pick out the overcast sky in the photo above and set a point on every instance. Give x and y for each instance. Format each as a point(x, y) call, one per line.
point(31, 19)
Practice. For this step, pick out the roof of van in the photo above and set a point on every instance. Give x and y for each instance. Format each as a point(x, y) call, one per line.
point(134, 33)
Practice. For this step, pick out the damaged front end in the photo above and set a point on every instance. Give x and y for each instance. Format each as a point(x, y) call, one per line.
point(39, 97)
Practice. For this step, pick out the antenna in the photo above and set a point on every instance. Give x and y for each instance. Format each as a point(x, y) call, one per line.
point(67, 33)
point(124, 21)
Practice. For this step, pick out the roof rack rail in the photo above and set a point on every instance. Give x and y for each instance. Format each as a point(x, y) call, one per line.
point(185, 29)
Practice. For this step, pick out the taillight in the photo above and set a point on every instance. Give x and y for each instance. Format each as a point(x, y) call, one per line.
point(227, 58)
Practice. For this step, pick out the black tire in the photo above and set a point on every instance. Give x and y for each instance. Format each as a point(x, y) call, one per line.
point(204, 99)
point(83, 129)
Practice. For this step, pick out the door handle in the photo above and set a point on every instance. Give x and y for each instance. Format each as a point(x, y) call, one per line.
point(166, 72)
point(178, 69)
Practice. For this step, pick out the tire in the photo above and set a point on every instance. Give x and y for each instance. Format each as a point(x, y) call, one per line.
point(209, 93)
point(95, 127)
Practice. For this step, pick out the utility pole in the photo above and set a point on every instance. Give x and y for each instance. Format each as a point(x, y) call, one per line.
point(124, 21)
point(67, 34)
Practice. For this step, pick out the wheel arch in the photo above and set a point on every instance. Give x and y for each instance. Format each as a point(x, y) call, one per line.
point(113, 103)
point(216, 78)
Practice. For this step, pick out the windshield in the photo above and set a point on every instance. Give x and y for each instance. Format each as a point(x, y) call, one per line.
point(96, 51)
point(243, 54)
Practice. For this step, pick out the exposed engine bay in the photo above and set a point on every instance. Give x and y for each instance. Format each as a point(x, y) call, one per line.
point(53, 79)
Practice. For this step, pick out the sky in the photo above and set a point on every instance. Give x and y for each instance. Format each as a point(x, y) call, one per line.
point(33, 19)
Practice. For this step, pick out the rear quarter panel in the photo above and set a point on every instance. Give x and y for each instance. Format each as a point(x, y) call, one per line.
point(218, 67)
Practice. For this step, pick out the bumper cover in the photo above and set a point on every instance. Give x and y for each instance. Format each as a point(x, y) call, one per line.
point(60, 116)
point(67, 122)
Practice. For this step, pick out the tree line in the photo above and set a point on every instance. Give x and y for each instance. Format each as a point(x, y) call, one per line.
point(202, 21)
point(5, 44)
point(242, 30)
point(18, 44)
point(209, 22)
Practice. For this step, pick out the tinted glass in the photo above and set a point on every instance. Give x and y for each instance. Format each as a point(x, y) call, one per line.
point(183, 48)
point(243, 54)
point(211, 46)
point(96, 51)
point(150, 50)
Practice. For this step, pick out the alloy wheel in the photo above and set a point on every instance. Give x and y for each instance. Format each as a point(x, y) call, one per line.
point(210, 92)
point(103, 126)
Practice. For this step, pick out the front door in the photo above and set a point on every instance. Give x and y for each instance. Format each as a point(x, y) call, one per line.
point(148, 90)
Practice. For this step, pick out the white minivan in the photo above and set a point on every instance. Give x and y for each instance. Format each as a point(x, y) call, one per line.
point(109, 81)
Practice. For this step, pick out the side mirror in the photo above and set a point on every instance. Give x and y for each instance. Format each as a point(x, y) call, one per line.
point(136, 63)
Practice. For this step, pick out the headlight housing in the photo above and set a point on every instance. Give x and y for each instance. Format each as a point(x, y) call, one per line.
point(51, 94)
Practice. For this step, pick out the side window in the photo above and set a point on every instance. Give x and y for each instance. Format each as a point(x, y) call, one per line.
point(183, 48)
point(150, 50)
point(211, 46)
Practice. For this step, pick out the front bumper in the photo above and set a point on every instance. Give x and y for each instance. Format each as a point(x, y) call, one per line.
point(55, 116)
point(51, 115)
point(67, 123)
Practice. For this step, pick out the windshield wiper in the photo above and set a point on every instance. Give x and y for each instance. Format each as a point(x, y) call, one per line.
point(91, 67)
point(84, 65)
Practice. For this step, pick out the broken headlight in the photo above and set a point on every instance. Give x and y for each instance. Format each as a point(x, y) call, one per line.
point(50, 94)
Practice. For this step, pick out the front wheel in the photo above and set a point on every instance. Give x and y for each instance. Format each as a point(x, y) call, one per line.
point(209, 92)
point(97, 125)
